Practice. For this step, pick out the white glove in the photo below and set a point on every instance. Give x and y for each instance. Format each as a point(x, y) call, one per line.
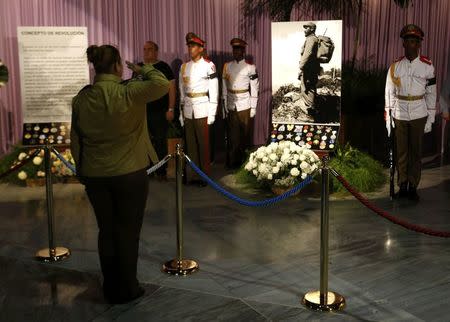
point(388, 125)
point(211, 119)
point(428, 126)
point(430, 121)
point(252, 112)
point(181, 118)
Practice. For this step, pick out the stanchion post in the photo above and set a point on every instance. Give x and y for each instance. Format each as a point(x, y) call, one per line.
point(180, 266)
point(324, 300)
point(52, 253)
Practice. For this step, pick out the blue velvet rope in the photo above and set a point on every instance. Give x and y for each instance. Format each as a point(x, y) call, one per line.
point(67, 163)
point(249, 203)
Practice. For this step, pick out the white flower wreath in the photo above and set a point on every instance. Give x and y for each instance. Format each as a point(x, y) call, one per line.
point(282, 163)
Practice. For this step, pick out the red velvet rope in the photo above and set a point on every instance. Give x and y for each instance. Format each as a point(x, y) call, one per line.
point(388, 216)
point(27, 159)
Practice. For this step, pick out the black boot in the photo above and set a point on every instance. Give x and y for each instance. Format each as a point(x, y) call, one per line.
point(403, 191)
point(412, 193)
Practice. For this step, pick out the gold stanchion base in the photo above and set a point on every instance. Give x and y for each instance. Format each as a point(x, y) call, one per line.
point(335, 302)
point(183, 267)
point(52, 255)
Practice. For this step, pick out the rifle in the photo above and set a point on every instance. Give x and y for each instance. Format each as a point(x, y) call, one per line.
point(391, 158)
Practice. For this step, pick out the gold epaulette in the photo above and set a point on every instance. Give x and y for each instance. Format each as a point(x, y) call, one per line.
point(395, 80)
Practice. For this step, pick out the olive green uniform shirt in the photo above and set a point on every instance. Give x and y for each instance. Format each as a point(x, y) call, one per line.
point(109, 134)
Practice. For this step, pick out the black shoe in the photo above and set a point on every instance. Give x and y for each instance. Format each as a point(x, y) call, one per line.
point(412, 193)
point(402, 192)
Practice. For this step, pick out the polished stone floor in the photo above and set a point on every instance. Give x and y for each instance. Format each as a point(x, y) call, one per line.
point(255, 264)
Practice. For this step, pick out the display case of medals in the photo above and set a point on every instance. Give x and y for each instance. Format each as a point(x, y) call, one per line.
point(57, 133)
point(321, 137)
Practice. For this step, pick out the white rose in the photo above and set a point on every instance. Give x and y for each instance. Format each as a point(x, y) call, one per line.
point(269, 176)
point(305, 167)
point(37, 160)
point(41, 174)
point(304, 175)
point(22, 156)
point(285, 157)
point(248, 166)
point(22, 175)
point(261, 167)
point(294, 162)
point(302, 157)
point(255, 172)
point(265, 159)
point(275, 170)
point(273, 156)
point(294, 172)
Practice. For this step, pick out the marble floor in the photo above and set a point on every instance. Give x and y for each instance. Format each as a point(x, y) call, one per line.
point(255, 264)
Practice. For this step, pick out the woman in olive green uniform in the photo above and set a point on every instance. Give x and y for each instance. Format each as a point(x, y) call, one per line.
point(111, 149)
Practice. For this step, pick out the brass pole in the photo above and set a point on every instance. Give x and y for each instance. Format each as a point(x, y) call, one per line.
point(324, 222)
point(52, 253)
point(179, 266)
point(179, 203)
point(323, 300)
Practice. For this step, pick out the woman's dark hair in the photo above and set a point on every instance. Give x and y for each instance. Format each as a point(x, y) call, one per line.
point(103, 58)
point(153, 44)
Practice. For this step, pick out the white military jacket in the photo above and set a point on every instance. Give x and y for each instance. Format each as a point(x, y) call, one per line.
point(411, 89)
point(240, 85)
point(199, 89)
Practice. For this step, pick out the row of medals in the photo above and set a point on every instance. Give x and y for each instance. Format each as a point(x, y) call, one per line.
point(47, 133)
point(319, 135)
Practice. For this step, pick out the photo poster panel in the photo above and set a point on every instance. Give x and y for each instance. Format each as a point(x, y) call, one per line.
point(306, 82)
point(53, 69)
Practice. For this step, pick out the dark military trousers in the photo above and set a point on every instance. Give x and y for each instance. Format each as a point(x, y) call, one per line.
point(197, 143)
point(308, 87)
point(239, 131)
point(119, 204)
point(409, 137)
point(158, 126)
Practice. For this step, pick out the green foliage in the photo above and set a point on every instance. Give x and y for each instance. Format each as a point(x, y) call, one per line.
point(60, 171)
point(9, 160)
point(244, 177)
point(358, 168)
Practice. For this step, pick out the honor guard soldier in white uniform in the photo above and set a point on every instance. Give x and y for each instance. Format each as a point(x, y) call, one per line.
point(199, 94)
point(410, 98)
point(240, 98)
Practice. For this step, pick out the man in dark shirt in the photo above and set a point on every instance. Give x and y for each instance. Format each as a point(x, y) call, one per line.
point(160, 112)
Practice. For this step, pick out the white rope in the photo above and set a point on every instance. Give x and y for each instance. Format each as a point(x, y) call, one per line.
point(159, 164)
